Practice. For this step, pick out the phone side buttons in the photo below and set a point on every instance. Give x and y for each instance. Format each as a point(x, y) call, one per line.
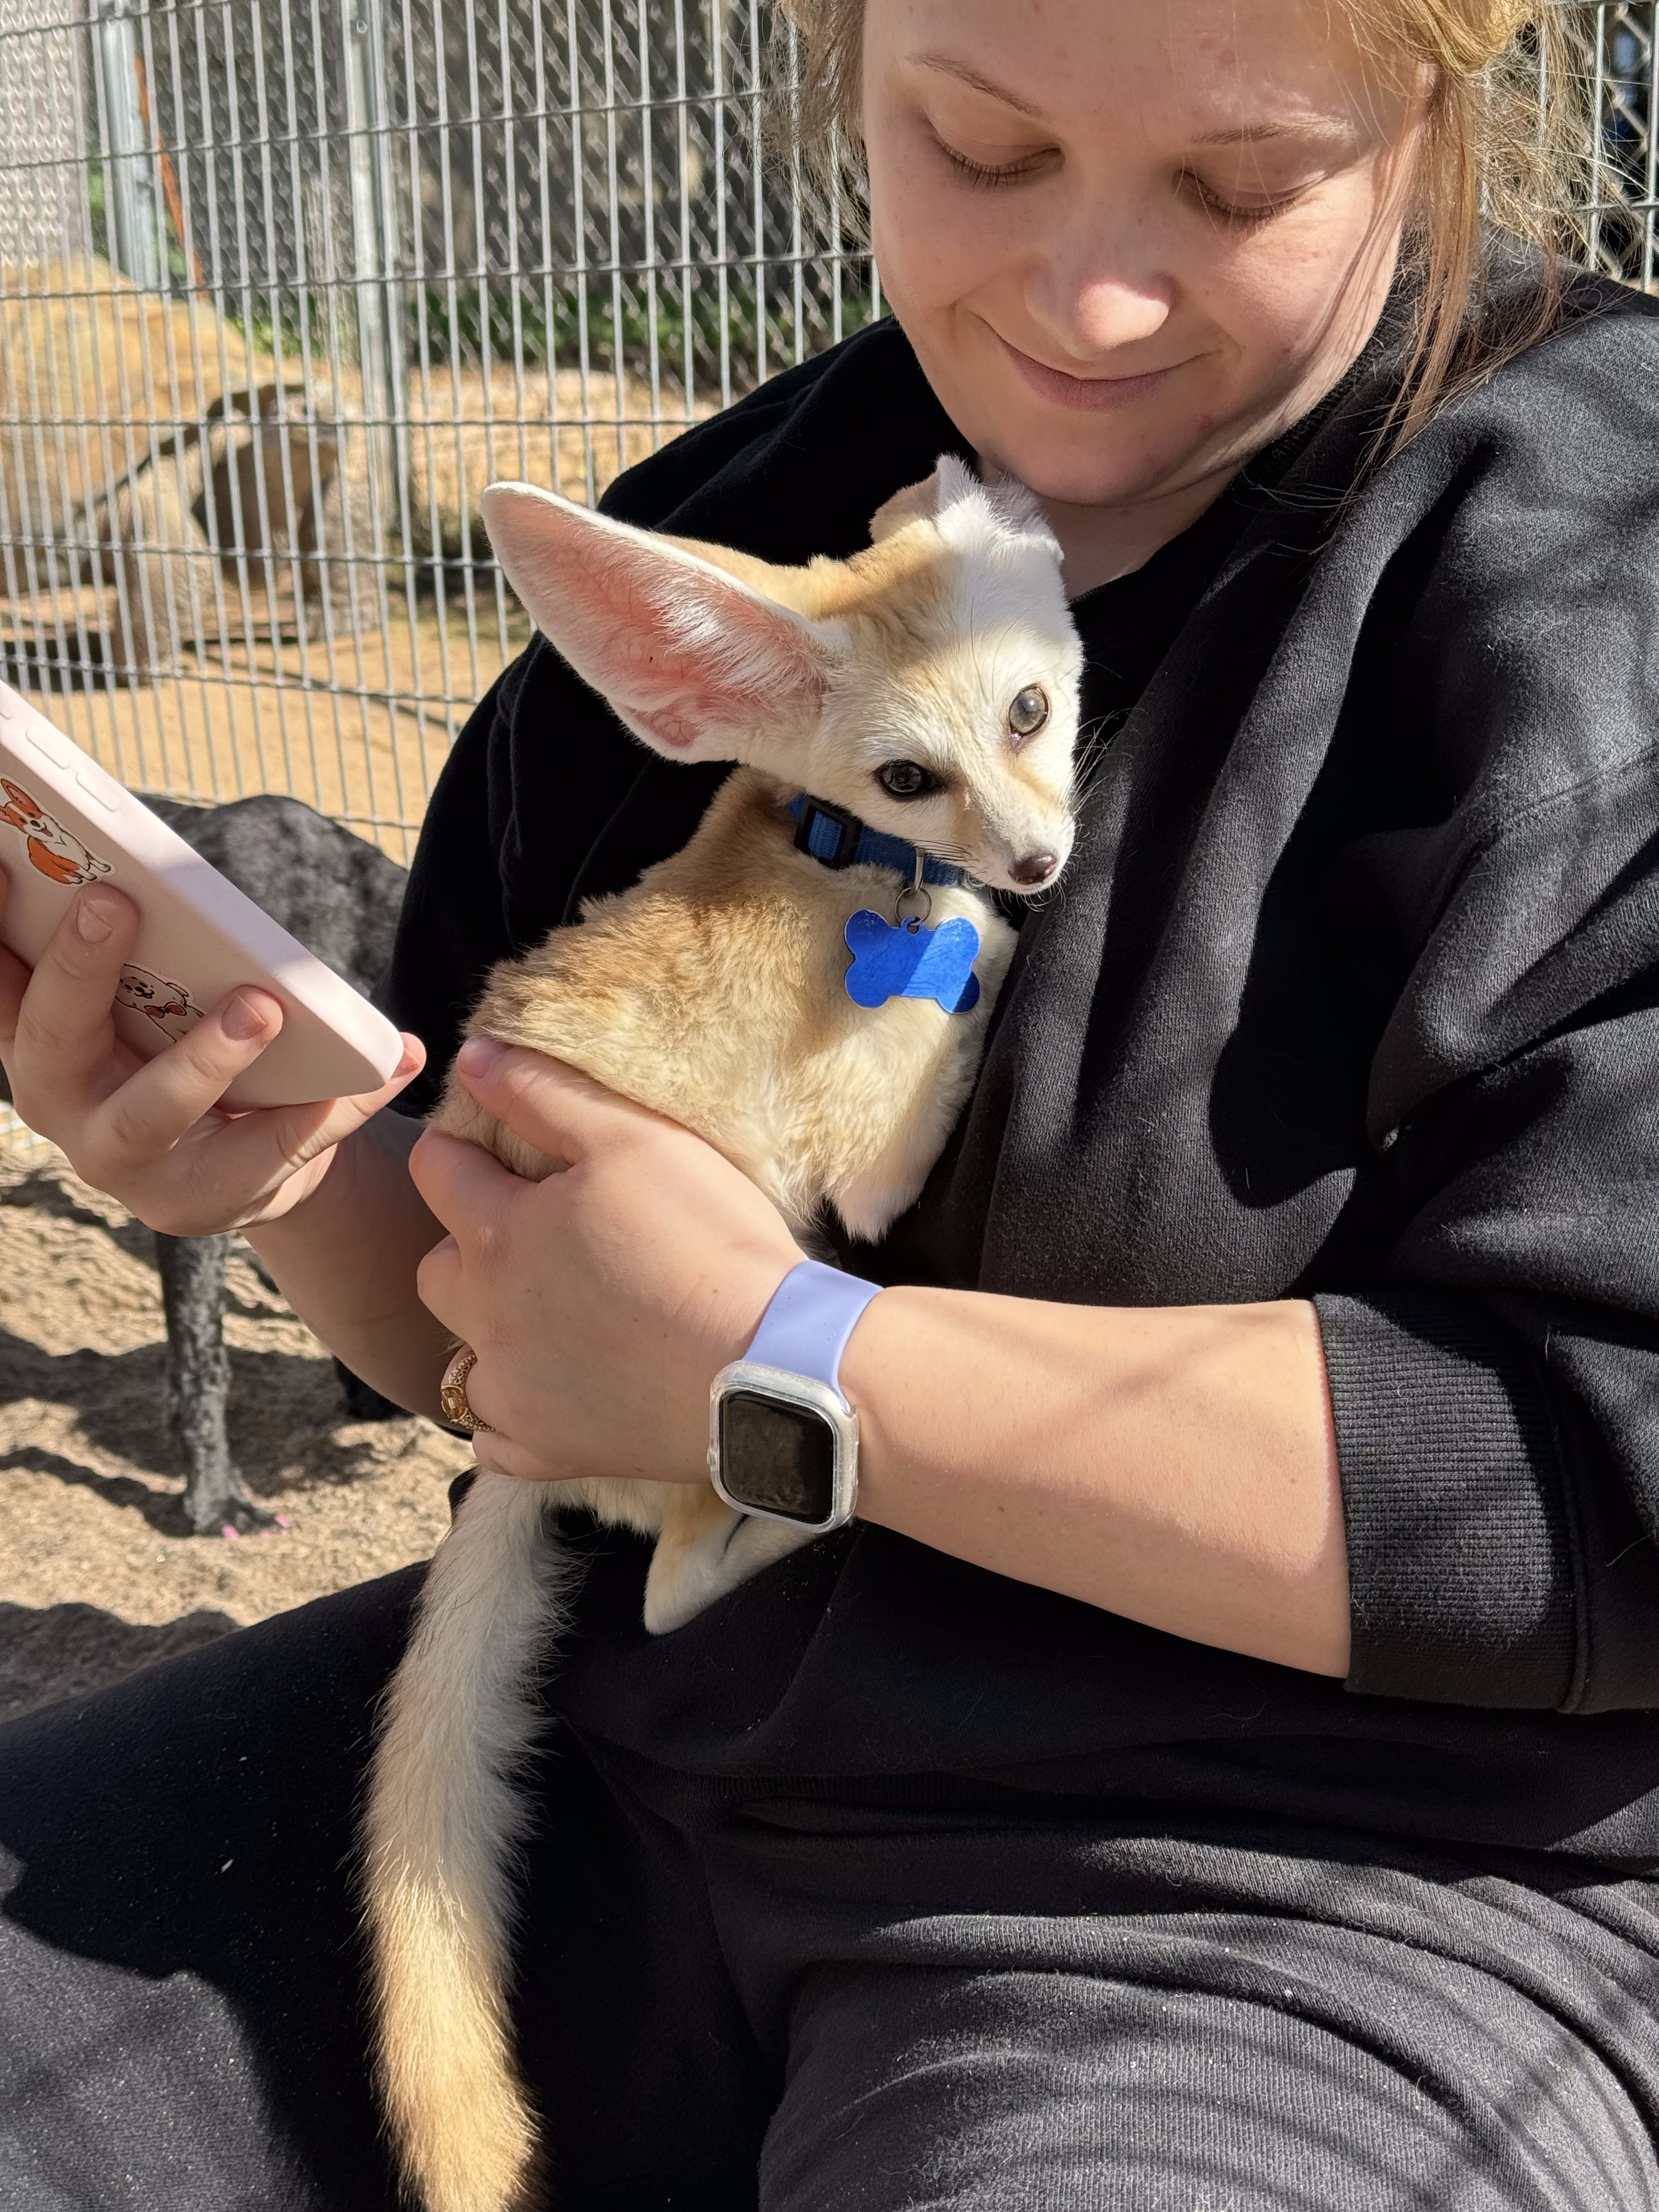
point(47, 742)
point(99, 787)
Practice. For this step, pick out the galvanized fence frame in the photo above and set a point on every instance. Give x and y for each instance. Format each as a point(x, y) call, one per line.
point(283, 285)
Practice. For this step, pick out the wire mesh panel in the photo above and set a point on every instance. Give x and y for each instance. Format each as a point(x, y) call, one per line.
point(283, 283)
point(1614, 46)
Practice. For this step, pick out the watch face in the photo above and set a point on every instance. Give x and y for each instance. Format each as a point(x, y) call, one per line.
point(779, 1459)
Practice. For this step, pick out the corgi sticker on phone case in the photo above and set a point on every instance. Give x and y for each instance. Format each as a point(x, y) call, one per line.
point(168, 1004)
point(56, 851)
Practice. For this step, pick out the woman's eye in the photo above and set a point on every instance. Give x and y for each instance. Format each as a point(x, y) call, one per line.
point(1029, 712)
point(906, 779)
point(990, 173)
point(1242, 211)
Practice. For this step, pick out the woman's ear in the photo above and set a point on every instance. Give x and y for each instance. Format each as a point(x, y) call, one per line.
point(695, 663)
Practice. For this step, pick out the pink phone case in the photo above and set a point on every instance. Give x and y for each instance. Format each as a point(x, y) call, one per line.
point(66, 822)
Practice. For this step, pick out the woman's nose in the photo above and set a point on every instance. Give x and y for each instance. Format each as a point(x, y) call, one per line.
point(1109, 314)
point(1104, 292)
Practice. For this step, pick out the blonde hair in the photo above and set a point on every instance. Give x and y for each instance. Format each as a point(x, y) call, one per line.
point(1504, 145)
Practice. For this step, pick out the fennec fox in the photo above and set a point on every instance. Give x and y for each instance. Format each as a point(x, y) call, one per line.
point(927, 687)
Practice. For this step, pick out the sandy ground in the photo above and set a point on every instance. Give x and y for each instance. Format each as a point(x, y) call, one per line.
point(97, 1575)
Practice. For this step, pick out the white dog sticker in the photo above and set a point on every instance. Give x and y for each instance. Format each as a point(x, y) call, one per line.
point(167, 1005)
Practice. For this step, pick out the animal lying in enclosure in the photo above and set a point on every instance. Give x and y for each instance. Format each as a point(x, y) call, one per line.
point(925, 690)
point(340, 897)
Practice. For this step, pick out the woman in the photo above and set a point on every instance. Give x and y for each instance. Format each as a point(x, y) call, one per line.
point(1218, 1771)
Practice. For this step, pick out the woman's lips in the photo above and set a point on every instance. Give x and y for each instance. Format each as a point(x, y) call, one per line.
point(1087, 394)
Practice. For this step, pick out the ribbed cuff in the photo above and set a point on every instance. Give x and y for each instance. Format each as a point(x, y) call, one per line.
point(1459, 1558)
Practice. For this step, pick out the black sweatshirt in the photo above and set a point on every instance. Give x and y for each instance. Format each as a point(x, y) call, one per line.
point(1349, 992)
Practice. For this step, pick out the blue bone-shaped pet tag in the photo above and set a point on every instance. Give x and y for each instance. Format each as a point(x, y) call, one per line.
point(907, 961)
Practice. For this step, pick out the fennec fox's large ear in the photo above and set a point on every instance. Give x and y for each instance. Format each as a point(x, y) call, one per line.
point(917, 502)
point(954, 485)
point(697, 663)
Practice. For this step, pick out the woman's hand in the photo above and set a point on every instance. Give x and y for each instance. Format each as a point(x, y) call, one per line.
point(151, 1133)
point(603, 1302)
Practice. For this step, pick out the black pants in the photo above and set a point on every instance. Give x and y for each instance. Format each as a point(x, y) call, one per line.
point(856, 2012)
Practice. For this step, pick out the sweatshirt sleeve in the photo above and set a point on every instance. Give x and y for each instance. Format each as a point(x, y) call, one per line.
point(1495, 1395)
point(1497, 1408)
point(1497, 1403)
point(1459, 1555)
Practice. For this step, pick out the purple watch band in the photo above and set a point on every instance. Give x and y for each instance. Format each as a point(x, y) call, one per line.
point(813, 1311)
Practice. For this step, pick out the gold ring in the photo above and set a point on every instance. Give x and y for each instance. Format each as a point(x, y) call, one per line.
point(452, 1393)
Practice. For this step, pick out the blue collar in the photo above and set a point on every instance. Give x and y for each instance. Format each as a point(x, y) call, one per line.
point(839, 840)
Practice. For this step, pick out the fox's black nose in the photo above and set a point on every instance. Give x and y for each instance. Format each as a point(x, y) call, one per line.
point(1035, 868)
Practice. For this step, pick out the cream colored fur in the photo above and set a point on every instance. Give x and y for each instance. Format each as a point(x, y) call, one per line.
point(713, 992)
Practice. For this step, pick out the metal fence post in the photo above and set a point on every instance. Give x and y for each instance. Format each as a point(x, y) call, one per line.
point(128, 192)
point(374, 254)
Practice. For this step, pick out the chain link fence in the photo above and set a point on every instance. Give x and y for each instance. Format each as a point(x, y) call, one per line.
point(283, 283)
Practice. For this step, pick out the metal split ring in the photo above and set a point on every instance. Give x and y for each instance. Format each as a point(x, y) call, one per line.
point(913, 889)
point(451, 1395)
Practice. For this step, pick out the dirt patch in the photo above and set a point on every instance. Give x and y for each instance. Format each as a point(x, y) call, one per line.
point(97, 1573)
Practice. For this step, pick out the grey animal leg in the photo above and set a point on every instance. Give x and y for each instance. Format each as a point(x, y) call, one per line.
point(192, 1271)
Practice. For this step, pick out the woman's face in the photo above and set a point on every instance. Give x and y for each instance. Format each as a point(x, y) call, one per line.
point(1130, 239)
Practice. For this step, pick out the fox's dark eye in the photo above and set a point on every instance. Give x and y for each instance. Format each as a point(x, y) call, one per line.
point(1029, 712)
point(906, 779)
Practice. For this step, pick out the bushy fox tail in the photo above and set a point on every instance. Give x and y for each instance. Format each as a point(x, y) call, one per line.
point(443, 1824)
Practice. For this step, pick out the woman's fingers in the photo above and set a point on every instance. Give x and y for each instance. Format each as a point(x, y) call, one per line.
point(65, 1029)
point(464, 1187)
point(148, 1131)
point(242, 1159)
point(348, 1114)
point(498, 1454)
point(550, 1105)
point(495, 1451)
point(437, 1281)
point(300, 1133)
point(13, 979)
point(290, 1136)
point(599, 1302)
point(152, 1109)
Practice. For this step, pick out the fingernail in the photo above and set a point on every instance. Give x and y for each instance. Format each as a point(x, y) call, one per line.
point(92, 924)
point(479, 1055)
point(242, 1020)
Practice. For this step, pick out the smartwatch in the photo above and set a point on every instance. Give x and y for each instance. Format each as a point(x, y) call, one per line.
point(783, 1443)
